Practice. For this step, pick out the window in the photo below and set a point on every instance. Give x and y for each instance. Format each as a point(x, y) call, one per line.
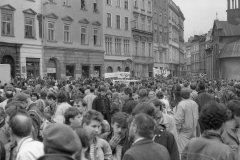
point(126, 46)
point(7, 24)
point(109, 2)
point(143, 24)
point(95, 9)
point(149, 6)
point(135, 4)
point(29, 27)
point(136, 47)
point(150, 49)
point(118, 3)
point(118, 46)
point(66, 33)
point(126, 23)
point(70, 69)
point(109, 19)
point(51, 1)
point(118, 21)
point(149, 26)
point(96, 39)
point(66, 3)
point(135, 22)
point(51, 28)
point(143, 48)
point(108, 44)
point(143, 4)
point(83, 5)
point(126, 4)
point(84, 35)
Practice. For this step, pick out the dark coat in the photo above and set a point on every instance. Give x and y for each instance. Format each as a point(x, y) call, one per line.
point(55, 157)
point(102, 104)
point(208, 147)
point(146, 149)
point(167, 139)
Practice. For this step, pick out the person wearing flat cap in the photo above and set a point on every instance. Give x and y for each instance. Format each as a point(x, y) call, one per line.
point(60, 142)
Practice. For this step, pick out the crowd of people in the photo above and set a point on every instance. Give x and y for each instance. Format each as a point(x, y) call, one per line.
point(96, 119)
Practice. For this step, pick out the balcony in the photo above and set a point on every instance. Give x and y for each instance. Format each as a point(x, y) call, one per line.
point(135, 28)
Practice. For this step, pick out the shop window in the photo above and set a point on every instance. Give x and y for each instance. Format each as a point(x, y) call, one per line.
point(33, 67)
point(70, 69)
point(85, 71)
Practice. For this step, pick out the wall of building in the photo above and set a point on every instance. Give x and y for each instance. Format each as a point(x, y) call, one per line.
point(73, 51)
point(30, 47)
point(123, 33)
point(230, 68)
point(142, 14)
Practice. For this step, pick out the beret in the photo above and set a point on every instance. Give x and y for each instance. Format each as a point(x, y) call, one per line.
point(61, 138)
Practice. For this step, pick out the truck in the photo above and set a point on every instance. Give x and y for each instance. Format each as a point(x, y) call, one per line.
point(5, 73)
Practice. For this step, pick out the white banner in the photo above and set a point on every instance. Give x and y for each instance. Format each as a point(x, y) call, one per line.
point(117, 75)
point(159, 72)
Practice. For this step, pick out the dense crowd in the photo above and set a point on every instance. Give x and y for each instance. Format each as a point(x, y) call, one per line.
point(96, 119)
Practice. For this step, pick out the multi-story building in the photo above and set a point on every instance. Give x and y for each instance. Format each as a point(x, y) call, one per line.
point(73, 38)
point(117, 35)
point(181, 42)
point(20, 42)
point(209, 55)
point(176, 31)
point(142, 37)
point(160, 34)
point(187, 59)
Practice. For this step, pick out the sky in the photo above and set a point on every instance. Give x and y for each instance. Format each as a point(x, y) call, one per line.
point(200, 15)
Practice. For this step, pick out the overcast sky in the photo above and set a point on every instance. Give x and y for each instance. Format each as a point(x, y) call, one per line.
point(200, 14)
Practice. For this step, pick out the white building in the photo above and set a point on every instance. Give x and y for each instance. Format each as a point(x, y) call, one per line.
point(20, 43)
point(117, 35)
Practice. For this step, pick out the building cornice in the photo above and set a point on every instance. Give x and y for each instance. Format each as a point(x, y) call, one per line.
point(72, 49)
point(8, 7)
point(67, 18)
point(29, 11)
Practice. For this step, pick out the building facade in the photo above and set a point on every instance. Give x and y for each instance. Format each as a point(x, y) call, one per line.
point(160, 34)
point(142, 38)
point(181, 43)
point(224, 50)
point(117, 35)
point(176, 41)
point(20, 44)
point(72, 38)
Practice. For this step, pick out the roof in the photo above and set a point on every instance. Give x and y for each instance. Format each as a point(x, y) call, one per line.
point(231, 50)
point(227, 28)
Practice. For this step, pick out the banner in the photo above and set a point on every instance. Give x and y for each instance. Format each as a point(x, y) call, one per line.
point(120, 75)
point(159, 72)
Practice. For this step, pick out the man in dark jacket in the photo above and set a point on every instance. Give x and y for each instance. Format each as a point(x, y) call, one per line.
point(143, 148)
point(102, 104)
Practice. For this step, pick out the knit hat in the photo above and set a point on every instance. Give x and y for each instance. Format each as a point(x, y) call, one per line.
point(61, 138)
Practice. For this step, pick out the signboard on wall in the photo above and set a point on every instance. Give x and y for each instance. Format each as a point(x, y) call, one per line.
point(51, 70)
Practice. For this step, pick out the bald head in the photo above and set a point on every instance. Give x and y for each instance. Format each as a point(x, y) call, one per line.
point(21, 124)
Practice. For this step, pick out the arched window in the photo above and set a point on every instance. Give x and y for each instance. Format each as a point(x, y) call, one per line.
point(109, 69)
point(127, 69)
point(119, 69)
